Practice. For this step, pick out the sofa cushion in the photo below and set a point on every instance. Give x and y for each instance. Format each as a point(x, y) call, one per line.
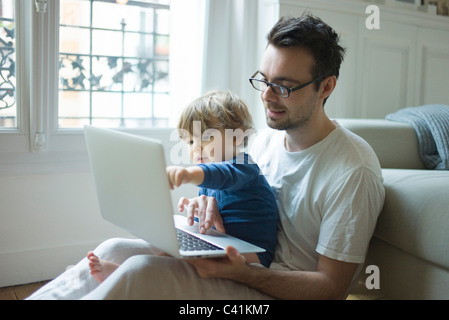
point(395, 143)
point(415, 217)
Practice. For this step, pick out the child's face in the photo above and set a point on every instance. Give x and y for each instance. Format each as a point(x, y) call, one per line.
point(212, 146)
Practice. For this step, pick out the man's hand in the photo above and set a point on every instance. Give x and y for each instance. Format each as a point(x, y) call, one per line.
point(329, 281)
point(205, 208)
point(226, 268)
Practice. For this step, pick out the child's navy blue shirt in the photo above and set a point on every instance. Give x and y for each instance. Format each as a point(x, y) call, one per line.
point(245, 201)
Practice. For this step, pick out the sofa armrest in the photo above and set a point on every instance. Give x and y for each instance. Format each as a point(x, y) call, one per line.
point(395, 143)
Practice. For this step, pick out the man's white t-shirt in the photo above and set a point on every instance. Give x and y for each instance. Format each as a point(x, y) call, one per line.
point(329, 197)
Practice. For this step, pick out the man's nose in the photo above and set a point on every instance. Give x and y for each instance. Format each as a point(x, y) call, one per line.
point(269, 94)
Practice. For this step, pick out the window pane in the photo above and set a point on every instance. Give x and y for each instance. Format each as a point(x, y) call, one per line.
point(116, 17)
point(118, 61)
point(73, 72)
point(75, 13)
point(8, 109)
point(107, 43)
point(161, 84)
point(76, 112)
point(133, 105)
point(138, 45)
point(71, 40)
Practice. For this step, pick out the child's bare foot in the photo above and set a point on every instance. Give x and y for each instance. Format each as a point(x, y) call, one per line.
point(100, 269)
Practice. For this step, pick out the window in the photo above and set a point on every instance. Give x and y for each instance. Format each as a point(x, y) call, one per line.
point(109, 63)
point(114, 63)
point(8, 107)
point(113, 67)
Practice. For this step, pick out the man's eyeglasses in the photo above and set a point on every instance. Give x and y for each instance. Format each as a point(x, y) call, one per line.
point(281, 91)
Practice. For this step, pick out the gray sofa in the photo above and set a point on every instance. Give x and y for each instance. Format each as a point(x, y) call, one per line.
point(411, 241)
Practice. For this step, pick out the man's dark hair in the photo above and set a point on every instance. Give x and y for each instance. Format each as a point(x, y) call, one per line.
point(312, 34)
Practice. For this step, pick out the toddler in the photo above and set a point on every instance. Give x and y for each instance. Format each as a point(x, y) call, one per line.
point(216, 127)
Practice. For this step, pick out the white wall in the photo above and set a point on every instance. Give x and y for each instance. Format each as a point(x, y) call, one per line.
point(48, 223)
point(403, 63)
point(50, 220)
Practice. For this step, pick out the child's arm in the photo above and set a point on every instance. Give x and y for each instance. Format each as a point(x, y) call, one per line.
point(179, 175)
point(227, 175)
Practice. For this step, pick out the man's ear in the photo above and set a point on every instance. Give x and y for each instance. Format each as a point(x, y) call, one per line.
point(327, 86)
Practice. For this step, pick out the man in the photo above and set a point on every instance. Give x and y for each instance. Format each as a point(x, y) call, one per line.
point(327, 181)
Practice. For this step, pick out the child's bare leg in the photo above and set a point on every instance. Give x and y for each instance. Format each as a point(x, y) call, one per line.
point(100, 269)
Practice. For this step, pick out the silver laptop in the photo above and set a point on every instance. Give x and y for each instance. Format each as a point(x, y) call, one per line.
point(134, 194)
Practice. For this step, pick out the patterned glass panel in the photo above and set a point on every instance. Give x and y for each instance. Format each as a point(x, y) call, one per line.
point(8, 108)
point(114, 57)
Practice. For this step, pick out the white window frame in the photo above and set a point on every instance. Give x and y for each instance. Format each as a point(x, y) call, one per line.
point(37, 145)
point(17, 139)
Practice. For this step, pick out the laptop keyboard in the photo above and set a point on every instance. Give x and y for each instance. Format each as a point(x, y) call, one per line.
point(188, 242)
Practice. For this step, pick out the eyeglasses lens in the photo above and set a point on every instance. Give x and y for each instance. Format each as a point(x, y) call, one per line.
point(262, 86)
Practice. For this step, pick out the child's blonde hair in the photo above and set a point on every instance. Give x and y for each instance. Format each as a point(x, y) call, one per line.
point(216, 110)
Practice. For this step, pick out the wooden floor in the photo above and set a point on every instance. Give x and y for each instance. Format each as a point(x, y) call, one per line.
point(20, 292)
point(23, 291)
point(360, 292)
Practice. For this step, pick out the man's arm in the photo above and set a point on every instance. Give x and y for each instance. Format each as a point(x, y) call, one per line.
point(330, 280)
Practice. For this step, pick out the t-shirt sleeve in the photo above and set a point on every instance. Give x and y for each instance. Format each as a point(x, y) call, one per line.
point(349, 216)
